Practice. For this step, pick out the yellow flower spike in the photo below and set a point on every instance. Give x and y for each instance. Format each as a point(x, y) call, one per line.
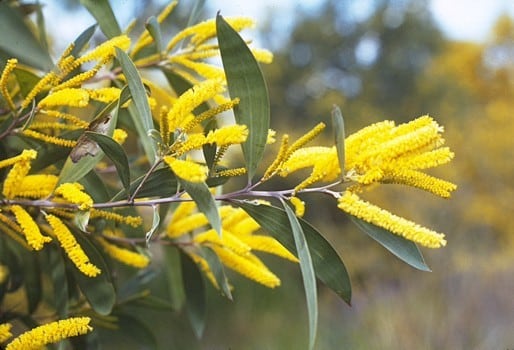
point(106, 94)
point(204, 265)
point(4, 79)
point(24, 156)
point(52, 126)
point(20, 169)
point(125, 256)
point(309, 136)
point(134, 221)
point(210, 114)
point(193, 141)
point(49, 139)
point(271, 137)
point(227, 240)
point(352, 204)
point(231, 172)
point(269, 245)
point(184, 225)
point(183, 210)
point(36, 186)
point(249, 266)
point(29, 228)
point(66, 97)
point(426, 160)
point(78, 79)
point(49, 333)
point(192, 98)
point(299, 206)
point(68, 117)
point(187, 170)
point(106, 51)
point(281, 157)
point(422, 181)
point(164, 126)
point(120, 136)
point(262, 55)
point(5, 332)
point(206, 30)
point(65, 62)
point(206, 70)
point(71, 247)
point(14, 231)
point(228, 135)
point(73, 192)
point(49, 79)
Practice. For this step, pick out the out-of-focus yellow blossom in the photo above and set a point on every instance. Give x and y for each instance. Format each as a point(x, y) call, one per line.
point(71, 247)
point(49, 333)
point(228, 135)
point(29, 227)
point(105, 51)
point(5, 332)
point(4, 80)
point(299, 206)
point(74, 193)
point(133, 221)
point(125, 256)
point(13, 230)
point(186, 169)
point(119, 135)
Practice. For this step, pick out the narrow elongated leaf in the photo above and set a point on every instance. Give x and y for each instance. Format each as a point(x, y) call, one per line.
point(99, 291)
point(17, 40)
point(205, 202)
point(33, 288)
point(116, 154)
point(139, 109)
point(154, 29)
point(173, 271)
point(245, 81)
point(40, 21)
point(161, 183)
point(196, 303)
point(402, 248)
point(82, 40)
point(339, 136)
point(308, 276)
point(328, 266)
point(59, 282)
point(133, 328)
point(101, 10)
point(217, 270)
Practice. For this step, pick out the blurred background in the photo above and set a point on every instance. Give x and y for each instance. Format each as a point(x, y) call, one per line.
point(377, 60)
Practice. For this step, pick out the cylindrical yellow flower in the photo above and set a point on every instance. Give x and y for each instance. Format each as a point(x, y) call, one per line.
point(352, 204)
point(29, 227)
point(66, 97)
point(125, 256)
point(4, 79)
point(228, 135)
point(299, 206)
point(49, 333)
point(106, 50)
point(37, 186)
point(181, 226)
point(73, 192)
point(71, 247)
point(187, 170)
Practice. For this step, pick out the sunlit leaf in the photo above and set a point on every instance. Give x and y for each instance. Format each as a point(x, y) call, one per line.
point(196, 303)
point(309, 279)
point(17, 40)
point(101, 10)
point(116, 154)
point(402, 248)
point(328, 266)
point(99, 291)
point(205, 202)
point(245, 81)
point(339, 136)
point(139, 109)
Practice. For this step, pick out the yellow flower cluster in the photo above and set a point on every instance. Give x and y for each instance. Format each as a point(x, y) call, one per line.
point(71, 247)
point(74, 193)
point(234, 246)
point(49, 333)
point(125, 256)
point(29, 228)
point(5, 332)
point(20, 169)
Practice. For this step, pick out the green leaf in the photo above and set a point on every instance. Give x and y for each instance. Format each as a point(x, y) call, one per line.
point(196, 303)
point(82, 40)
point(26, 80)
point(116, 154)
point(139, 109)
point(217, 270)
point(154, 29)
point(102, 12)
point(402, 248)
point(18, 41)
point(339, 136)
point(308, 276)
point(173, 270)
point(328, 266)
point(32, 279)
point(161, 183)
point(59, 282)
point(40, 21)
point(133, 328)
point(74, 171)
point(205, 202)
point(99, 291)
point(245, 80)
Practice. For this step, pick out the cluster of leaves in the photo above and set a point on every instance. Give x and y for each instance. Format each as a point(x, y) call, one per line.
point(49, 281)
